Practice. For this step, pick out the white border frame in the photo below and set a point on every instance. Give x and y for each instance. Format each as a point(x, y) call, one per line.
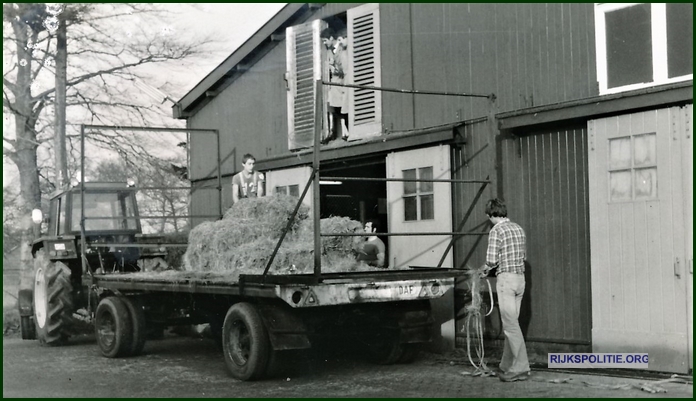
point(659, 40)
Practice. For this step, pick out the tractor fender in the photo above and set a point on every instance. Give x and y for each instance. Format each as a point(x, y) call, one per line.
point(36, 245)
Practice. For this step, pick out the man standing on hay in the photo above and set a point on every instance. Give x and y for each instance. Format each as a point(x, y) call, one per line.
point(372, 250)
point(247, 183)
point(507, 250)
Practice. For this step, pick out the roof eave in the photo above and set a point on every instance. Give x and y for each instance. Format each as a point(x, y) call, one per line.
point(191, 100)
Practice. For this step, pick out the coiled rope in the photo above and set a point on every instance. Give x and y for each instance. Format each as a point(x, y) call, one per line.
point(473, 320)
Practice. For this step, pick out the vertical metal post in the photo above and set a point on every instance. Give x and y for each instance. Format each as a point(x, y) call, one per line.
point(219, 174)
point(83, 241)
point(318, 118)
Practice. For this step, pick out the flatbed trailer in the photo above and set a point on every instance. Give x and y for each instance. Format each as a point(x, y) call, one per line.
point(258, 317)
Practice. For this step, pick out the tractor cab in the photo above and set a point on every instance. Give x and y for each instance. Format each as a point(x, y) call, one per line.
point(110, 217)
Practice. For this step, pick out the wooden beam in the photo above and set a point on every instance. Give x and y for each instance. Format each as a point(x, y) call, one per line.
point(598, 106)
point(384, 145)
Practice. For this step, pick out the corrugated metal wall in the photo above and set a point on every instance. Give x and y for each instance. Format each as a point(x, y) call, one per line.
point(542, 176)
point(545, 183)
point(527, 54)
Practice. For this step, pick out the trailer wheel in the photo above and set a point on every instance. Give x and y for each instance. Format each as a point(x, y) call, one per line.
point(28, 328)
point(410, 353)
point(137, 314)
point(245, 342)
point(53, 303)
point(385, 349)
point(113, 327)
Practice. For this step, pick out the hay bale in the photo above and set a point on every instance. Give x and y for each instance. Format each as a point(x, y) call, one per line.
point(242, 242)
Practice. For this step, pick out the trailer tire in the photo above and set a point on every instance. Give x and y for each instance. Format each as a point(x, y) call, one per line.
point(245, 342)
point(27, 327)
point(137, 314)
point(53, 303)
point(385, 349)
point(409, 353)
point(113, 327)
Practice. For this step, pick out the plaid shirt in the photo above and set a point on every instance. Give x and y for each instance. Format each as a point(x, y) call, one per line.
point(507, 247)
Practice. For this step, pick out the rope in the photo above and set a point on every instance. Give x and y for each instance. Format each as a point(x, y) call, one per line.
point(473, 320)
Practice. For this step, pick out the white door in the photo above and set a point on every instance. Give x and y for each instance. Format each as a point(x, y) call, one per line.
point(419, 206)
point(290, 181)
point(639, 234)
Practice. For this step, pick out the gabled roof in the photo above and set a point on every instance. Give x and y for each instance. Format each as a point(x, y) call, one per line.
point(269, 35)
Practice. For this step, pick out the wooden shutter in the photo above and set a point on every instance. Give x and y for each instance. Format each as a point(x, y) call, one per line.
point(304, 67)
point(365, 117)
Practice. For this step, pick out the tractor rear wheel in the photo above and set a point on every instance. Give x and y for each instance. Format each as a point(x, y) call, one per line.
point(53, 303)
point(245, 342)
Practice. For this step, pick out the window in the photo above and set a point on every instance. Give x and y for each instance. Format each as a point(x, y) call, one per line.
point(292, 190)
point(110, 206)
point(641, 45)
point(633, 168)
point(418, 195)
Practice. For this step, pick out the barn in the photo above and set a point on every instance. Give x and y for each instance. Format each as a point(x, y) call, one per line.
point(578, 115)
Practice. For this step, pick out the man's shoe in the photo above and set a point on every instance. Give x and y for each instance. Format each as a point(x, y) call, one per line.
point(514, 376)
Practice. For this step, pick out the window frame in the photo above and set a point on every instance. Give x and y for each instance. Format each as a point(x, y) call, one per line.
point(631, 169)
point(658, 25)
point(418, 194)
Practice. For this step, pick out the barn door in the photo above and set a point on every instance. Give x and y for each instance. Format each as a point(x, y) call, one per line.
point(364, 68)
point(303, 55)
point(638, 235)
point(419, 206)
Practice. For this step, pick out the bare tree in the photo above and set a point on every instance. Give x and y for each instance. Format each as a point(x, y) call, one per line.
point(103, 59)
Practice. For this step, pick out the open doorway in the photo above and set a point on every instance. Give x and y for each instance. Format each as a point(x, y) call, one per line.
point(358, 200)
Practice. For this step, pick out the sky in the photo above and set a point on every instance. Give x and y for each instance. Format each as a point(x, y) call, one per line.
point(230, 24)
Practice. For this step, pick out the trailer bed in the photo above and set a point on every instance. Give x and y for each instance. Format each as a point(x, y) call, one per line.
point(298, 290)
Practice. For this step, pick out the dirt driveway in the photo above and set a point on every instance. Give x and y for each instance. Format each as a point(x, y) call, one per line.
point(186, 367)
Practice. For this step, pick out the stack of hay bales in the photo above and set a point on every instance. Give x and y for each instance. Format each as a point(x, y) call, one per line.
point(242, 242)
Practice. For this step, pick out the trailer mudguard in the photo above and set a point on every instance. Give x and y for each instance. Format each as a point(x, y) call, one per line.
point(286, 330)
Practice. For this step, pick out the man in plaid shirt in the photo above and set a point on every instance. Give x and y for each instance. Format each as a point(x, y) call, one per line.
point(507, 250)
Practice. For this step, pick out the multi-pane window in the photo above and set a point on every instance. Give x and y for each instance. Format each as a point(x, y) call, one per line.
point(418, 195)
point(640, 45)
point(292, 190)
point(633, 168)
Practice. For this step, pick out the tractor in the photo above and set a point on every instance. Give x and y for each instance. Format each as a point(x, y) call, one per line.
point(92, 228)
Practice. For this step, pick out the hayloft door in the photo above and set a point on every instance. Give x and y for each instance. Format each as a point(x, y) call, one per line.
point(304, 66)
point(640, 202)
point(364, 69)
point(419, 206)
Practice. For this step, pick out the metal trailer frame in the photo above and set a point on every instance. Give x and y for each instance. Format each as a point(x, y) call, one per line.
point(315, 177)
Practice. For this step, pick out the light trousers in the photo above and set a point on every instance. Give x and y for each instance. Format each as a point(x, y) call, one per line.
point(510, 289)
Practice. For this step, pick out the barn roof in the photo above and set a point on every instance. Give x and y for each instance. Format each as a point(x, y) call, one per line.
point(269, 35)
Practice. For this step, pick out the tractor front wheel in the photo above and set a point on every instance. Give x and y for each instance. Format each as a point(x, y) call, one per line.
point(28, 328)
